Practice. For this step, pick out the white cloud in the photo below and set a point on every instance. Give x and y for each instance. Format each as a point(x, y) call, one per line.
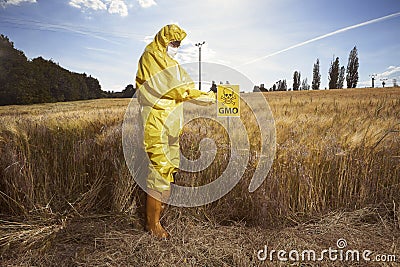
point(118, 7)
point(5, 3)
point(90, 4)
point(392, 72)
point(147, 3)
point(112, 6)
point(189, 53)
point(102, 51)
point(148, 39)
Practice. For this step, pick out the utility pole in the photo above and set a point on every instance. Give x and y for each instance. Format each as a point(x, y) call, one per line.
point(373, 76)
point(383, 82)
point(200, 45)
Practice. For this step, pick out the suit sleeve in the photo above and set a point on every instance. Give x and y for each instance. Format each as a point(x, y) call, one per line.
point(163, 81)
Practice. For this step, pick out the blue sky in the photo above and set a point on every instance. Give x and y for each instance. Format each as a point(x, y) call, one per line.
point(105, 38)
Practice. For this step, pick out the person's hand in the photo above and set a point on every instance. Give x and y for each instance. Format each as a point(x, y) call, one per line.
point(213, 96)
point(205, 99)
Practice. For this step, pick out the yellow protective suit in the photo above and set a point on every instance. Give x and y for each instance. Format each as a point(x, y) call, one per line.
point(162, 87)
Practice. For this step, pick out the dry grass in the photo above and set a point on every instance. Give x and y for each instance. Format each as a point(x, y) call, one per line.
point(115, 241)
point(337, 149)
point(336, 175)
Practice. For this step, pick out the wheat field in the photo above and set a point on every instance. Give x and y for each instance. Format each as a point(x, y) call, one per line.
point(67, 197)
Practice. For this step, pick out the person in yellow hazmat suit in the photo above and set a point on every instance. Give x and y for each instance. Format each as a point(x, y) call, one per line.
point(162, 86)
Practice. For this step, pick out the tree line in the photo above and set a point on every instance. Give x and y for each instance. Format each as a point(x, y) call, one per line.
point(24, 81)
point(336, 75)
point(128, 92)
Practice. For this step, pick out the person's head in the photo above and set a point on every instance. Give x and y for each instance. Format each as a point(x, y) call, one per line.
point(175, 44)
point(172, 48)
point(168, 39)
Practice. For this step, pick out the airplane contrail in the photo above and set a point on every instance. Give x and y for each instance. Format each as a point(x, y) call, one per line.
point(43, 26)
point(325, 36)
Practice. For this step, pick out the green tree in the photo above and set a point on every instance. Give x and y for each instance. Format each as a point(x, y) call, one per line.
point(352, 69)
point(214, 87)
point(13, 70)
point(262, 88)
point(94, 88)
point(316, 82)
point(40, 80)
point(281, 85)
point(129, 91)
point(305, 85)
point(333, 75)
point(296, 80)
point(341, 77)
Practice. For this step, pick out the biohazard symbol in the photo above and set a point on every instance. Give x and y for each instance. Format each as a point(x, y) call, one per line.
point(228, 97)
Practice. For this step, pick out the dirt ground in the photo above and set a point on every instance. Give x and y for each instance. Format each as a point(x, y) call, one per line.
point(117, 240)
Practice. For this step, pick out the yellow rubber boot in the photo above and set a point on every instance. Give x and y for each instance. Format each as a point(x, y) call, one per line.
point(153, 211)
point(164, 197)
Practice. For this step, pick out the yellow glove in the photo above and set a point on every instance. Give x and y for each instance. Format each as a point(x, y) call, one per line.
point(205, 99)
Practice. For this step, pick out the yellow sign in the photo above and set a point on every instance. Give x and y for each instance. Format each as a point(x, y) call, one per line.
point(228, 99)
